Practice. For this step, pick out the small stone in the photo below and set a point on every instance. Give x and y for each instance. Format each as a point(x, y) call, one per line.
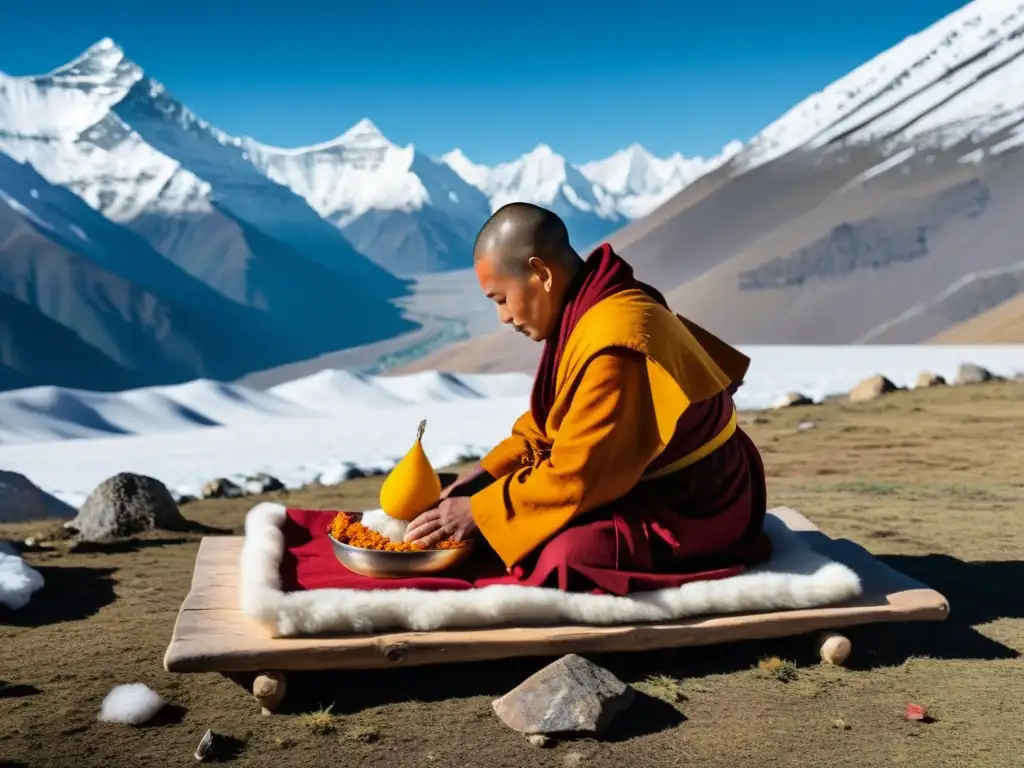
point(871, 388)
point(31, 543)
point(221, 488)
point(540, 740)
point(571, 695)
point(791, 400)
point(262, 483)
point(205, 749)
point(928, 379)
point(803, 426)
point(969, 373)
point(126, 504)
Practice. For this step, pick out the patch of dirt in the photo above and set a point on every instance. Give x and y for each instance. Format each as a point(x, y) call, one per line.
point(929, 480)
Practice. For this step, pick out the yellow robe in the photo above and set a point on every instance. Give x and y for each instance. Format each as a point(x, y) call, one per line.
point(629, 371)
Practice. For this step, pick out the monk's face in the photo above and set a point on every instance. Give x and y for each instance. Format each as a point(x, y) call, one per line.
point(528, 301)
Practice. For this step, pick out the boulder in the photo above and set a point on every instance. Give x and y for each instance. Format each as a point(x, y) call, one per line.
point(22, 501)
point(221, 488)
point(571, 695)
point(928, 379)
point(791, 399)
point(870, 388)
point(127, 504)
point(261, 483)
point(969, 373)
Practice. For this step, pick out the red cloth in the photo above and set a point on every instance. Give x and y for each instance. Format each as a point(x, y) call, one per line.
point(578, 559)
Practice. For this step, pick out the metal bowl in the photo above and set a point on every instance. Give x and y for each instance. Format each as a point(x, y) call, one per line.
point(397, 565)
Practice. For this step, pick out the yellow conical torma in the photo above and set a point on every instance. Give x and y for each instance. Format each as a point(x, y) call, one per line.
point(413, 486)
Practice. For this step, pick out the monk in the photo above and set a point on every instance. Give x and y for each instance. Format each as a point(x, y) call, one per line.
point(628, 472)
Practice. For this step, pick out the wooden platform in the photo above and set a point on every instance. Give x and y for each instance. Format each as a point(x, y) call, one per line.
point(212, 635)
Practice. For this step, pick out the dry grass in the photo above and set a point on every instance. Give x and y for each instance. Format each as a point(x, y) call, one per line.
point(774, 668)
point(930, 481)
point(321, 721)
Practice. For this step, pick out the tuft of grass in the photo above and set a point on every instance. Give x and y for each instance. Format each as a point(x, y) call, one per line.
point(774, 668)
point(664, 687)
point(320, 722)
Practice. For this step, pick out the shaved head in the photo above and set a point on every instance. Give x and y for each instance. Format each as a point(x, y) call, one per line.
point(525, 265)
point(519, 232)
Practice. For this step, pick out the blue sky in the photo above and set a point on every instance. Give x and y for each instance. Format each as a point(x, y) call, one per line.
point(492, 78)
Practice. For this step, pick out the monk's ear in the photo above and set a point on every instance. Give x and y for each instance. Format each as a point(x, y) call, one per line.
point(538, 269)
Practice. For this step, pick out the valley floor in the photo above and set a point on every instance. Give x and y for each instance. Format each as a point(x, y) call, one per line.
point(929, 480)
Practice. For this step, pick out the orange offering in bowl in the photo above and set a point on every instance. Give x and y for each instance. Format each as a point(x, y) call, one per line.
point(345, 528)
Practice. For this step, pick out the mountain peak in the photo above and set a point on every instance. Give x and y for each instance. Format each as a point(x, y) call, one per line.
point(102, 56)
point(365, 128)
point(455, 156)
point(541, 150)
point(102, 63)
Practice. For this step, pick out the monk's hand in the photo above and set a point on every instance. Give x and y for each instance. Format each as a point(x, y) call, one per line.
point(451, 519)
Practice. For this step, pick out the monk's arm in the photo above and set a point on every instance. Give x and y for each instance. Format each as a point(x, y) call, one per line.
point(604, 444)
point(507, 456)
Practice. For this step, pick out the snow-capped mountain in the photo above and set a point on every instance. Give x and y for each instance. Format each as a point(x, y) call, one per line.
point(220, 274)
point(408, 212)
point(544, 177)
point(961, 78)
point(638, 182)
point(414, 214)
point(228, 254)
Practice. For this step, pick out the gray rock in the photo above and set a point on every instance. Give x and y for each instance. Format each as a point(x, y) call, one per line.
point(969, 373)
point(22, 501)
point(221, 488)
point(262, 483)
point(871, 388)
point(929, 379)
point(571, 695)
point(126, 504)
point(1019, 377)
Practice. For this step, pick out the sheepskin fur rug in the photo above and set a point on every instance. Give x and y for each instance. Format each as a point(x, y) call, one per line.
point(797, 576)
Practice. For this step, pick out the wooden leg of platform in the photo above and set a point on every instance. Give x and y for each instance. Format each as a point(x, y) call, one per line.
point(833, 647)
point(269, 690)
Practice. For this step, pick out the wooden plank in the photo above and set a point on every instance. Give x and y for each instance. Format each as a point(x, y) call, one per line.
point(211, 634)
point(225, 640)
point(209, 596)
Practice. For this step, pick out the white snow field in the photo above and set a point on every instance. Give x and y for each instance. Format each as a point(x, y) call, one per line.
point(67, 441)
